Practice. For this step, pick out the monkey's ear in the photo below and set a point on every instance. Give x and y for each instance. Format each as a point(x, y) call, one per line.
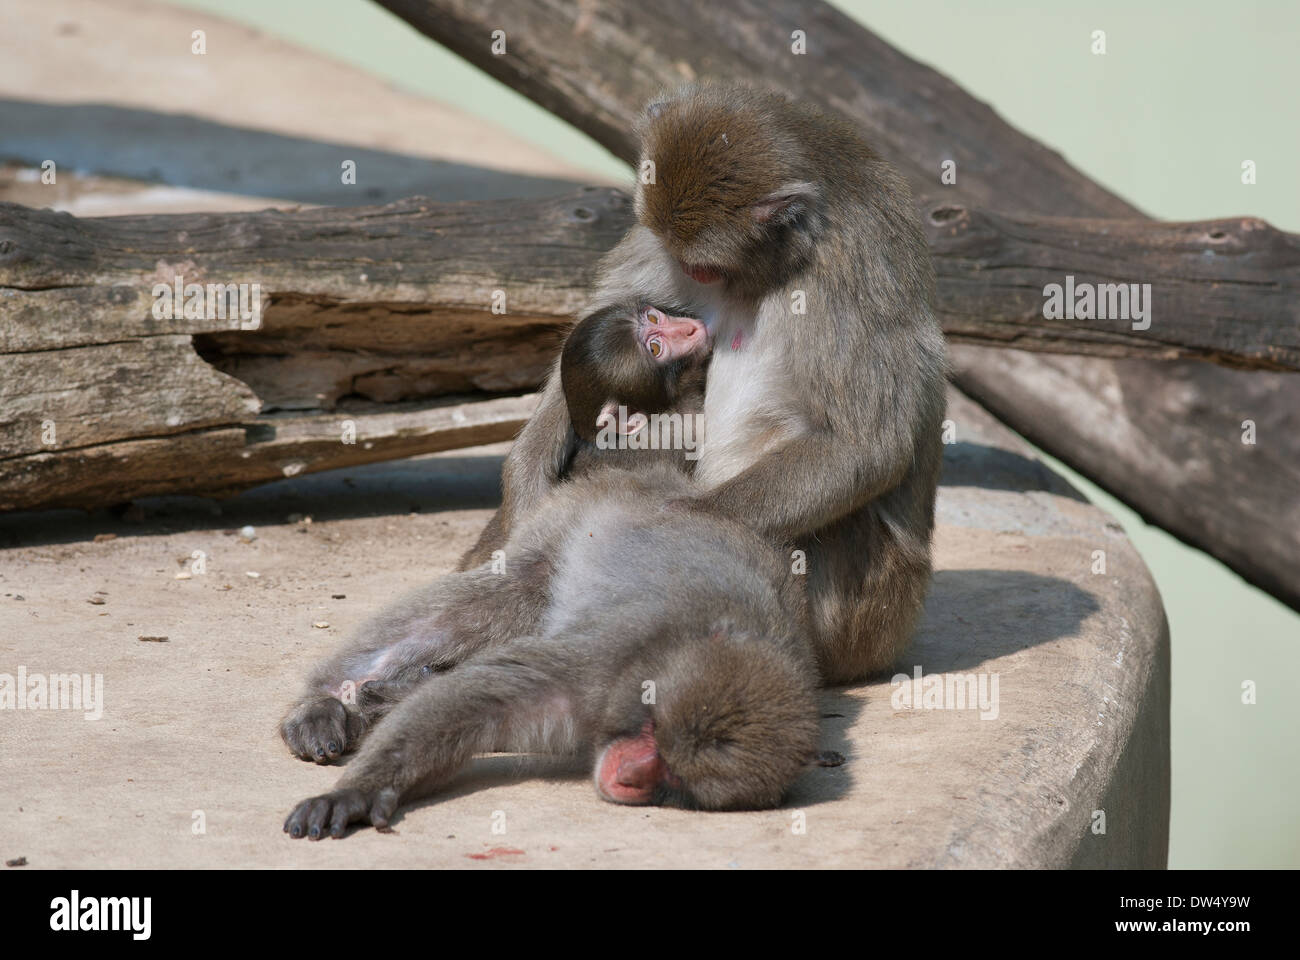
point(785, 203)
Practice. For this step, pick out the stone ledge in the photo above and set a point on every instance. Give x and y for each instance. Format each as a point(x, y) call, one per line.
point(1081, 659)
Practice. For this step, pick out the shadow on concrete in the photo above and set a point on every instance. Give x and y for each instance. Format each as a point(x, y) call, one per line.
point(972, 616)
point(416, 485)
point(391, 488)
point(184, 151)
point(993, 468)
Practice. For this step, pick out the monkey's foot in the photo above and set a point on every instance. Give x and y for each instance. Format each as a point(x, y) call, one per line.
point(321, 730)
point(332, 812)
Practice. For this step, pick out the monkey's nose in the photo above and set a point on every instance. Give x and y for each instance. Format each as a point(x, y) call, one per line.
point(681, 329)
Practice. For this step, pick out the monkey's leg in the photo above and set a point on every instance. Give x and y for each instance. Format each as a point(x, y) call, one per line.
point(519, 696)
point(427, 632)
point(866, 588)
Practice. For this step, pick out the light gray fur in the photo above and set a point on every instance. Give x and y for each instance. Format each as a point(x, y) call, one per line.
point(633, 591)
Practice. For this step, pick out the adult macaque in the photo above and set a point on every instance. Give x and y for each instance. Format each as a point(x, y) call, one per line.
point(799, 248)
point(669, 648)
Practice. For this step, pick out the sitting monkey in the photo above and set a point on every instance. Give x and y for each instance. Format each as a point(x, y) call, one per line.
point(670, 646)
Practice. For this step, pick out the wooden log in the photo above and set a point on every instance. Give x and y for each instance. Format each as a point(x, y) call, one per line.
point(1219, 290)
point(595, 65)
point(102, 400)
point(219, 461)
point(395, 302)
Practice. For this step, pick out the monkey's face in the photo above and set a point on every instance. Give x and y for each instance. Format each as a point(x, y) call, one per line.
point(634, 357)
point(724, 188)
point(630, 769)
point(669, 341)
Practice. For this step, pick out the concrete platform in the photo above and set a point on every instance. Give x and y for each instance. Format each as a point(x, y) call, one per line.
point(187, 732)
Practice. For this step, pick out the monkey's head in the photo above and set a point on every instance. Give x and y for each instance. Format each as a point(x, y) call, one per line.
point(726, 184)
point(733, 724)
point(636, 356)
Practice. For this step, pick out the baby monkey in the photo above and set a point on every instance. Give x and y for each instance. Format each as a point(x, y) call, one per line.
point(652, 361)
point(623, 365)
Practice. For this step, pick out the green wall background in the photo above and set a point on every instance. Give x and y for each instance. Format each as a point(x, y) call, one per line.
point(1184, 94)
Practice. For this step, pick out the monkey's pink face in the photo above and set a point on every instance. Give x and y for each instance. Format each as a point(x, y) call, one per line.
point(667, 337)
point(630, 770)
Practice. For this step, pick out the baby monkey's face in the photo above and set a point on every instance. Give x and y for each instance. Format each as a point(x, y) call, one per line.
point(638, 356)
point(667, 338)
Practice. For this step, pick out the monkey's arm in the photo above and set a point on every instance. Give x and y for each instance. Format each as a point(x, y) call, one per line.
point(500, 699)
point(536, 462)
point(821, 475)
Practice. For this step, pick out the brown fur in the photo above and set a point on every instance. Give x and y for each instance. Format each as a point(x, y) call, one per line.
point(823, 426)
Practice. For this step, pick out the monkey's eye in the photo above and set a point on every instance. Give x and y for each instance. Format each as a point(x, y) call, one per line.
point(655, 346)
point(652, 315)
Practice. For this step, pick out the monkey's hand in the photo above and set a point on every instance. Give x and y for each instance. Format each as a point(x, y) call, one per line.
point(321, 729)
point(332, 812)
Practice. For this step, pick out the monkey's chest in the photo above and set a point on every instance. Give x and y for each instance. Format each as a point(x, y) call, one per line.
point(748, 408)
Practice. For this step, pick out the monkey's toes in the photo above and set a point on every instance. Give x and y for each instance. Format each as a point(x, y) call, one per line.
point(332, 812)
point(317, 730)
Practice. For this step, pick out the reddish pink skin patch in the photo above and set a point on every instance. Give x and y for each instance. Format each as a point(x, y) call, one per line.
point(632, 768)
point(496, 852)
point(737, 340)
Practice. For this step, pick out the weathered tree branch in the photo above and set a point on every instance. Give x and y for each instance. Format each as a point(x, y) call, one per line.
point(596, 64)
point(101, 401)
point(394, 304)
point(1221, 290)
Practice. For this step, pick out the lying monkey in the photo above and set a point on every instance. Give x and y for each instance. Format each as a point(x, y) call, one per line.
point(668, 645)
